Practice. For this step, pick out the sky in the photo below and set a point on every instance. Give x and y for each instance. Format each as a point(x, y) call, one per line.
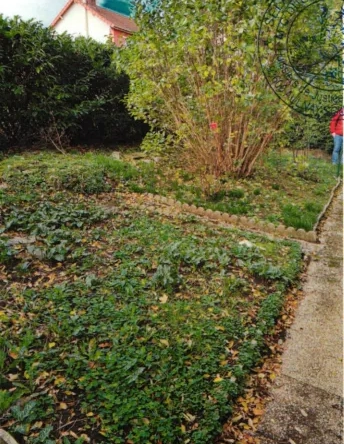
point(42, 10)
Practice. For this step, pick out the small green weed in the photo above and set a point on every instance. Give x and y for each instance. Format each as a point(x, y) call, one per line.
point(27, 416)
point(115, 169)
point(218, 196)
point(6, 400)
point(236, 193)
point(7, 254)
point(82, 180)
point(57, 230)
point(137, 188)
point(48, 217)
point(233, 207)
point(312, 207)
point(273, 218)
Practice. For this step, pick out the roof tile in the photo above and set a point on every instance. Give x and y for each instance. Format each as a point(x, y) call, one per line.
point(114, 20)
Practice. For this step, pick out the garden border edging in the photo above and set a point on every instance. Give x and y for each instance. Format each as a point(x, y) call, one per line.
point(321, 215)
point(240, 221)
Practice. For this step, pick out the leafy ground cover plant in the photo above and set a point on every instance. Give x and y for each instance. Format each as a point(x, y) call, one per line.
point(140, 328)
point(281, 191)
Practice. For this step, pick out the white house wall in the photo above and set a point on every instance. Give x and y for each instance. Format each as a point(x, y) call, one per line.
point(98, 30)
point(73, 21)
point(77, 21)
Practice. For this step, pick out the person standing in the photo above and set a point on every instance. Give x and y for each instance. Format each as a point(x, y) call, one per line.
point(336, 129)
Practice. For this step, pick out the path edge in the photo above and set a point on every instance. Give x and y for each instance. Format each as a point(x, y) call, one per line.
point(321, 215)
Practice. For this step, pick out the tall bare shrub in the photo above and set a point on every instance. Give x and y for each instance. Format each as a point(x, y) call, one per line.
point(195, 73)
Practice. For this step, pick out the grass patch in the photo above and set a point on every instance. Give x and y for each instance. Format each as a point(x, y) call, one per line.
point(88, 173)
point(304, 217)
point(129, 326)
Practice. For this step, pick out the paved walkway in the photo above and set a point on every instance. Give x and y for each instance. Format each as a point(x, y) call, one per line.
point(307, 397)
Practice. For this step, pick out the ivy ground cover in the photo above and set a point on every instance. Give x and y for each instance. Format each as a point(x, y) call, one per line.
point(126, 325)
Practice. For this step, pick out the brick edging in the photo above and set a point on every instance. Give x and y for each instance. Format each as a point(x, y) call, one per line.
point(240, 221)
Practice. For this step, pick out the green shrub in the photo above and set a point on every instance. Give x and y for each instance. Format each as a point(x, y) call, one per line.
point(300, 133)
point(57, 89)
point(200, 96)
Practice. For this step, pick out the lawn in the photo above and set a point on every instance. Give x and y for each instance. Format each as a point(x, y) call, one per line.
point(124, 326)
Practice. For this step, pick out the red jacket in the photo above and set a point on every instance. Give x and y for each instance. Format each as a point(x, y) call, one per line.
point(337, 121)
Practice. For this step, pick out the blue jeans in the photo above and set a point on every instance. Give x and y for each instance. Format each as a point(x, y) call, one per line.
point(338, 149)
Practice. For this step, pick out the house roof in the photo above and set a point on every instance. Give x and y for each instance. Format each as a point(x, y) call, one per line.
point(114, 20)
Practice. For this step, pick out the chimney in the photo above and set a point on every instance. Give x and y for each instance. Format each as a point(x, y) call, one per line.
point(90, 2)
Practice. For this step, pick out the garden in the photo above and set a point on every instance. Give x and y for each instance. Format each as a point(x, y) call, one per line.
point(125, 319)
point(121, 323)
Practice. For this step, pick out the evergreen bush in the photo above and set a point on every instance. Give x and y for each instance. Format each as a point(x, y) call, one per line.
point(57, 89)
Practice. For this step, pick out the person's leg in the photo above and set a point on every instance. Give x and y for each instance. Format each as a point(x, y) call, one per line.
point(338, 147)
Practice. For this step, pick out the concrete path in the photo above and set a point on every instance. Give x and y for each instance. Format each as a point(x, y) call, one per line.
point(307, 397)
